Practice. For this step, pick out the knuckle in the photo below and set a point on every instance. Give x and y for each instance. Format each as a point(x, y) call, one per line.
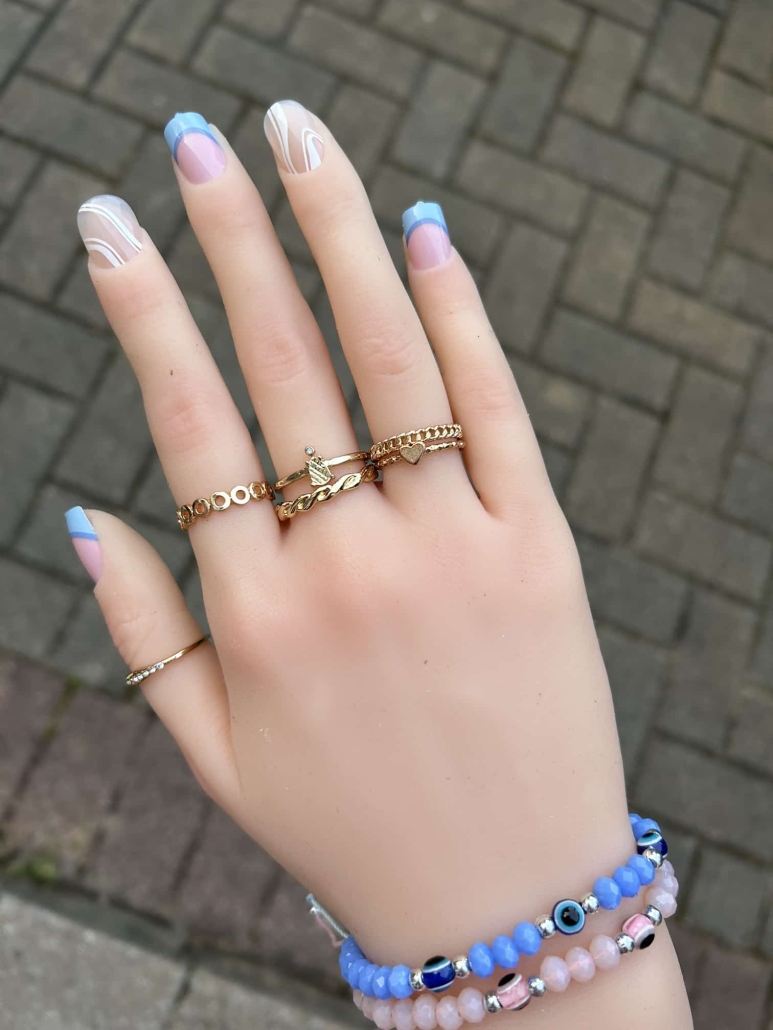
point(284, 356)
point(389, 348)
point(489, 393)
point(184, 418)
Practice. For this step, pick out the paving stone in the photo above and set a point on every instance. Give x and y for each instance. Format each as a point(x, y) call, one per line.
point(704, 546)
point(28, 696)
point(607, 358)
point(636, 671)
point(555, 21)
point(693, 328)
point(36, 424)
point(524, 94)
point(250, 143)
point(726, 898)
point(223, 890)
point(78, 297)
point(685, 136)
point(726, 805)
point(86, 651)
point(550, 198)
point(606, 161)
point(17, 163)
point(157, 817)
point(356, 51)
point(681, 52)
point(752, 216)
point(169, 28)
point(17, 27)
point(630, 593)
point(78, 39)
point(641, 13)
point(692, 453)
point(759, 410)
point(602, 496)
point(152, 191)
point(732, 991)
point(112, 441)
point(747, 45)
point(522, 284)
point(47, 349)
point(68, 796)
point(352, 108)
point(763, 660)
point(68, 125)
point(434, 128)
point(603, 75)
point(55, 973)
point(743, 286)
point(748, 493)
point(148, 90)
point(33, 609)
point(606, 258)
point(259, 71)
point(738, 104)
point(557, 407)
point(691, 950)
point(285, 939)
point(189, 266)
point(475, 229)
point(688, 230)
point(707, 670)
point(753, 731)
point(446, 31)
point(356, 8)
point(558, 465)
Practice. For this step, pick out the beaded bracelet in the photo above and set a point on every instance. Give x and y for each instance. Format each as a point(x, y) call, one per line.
point(513, 992)
point(567, 917)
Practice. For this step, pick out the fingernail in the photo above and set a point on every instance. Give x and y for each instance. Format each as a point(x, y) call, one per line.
point(426, 235)
point(85, 541)
point(194, 147)
point(292, 132)
point(110, 231)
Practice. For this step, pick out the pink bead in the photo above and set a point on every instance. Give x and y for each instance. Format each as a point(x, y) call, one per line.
point(662, 900)
point(448, 1017)
point(368, 1004)
point(402, 1013)
point(382, 1015)
point(605, 952)
point(357, 997)
point(666, 868)
point(555, 972)
point(425, 1012)
point(640, 930)
point(582, 968)
point(667, 883)
point(470, 1005)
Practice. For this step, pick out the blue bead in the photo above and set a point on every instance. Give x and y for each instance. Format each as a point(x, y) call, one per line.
point(528, 939)
point(381, 983)
point(482, 959)
point(652, 839)
point(400, 982)
point(366, 979)
point(568, 916)
point(351, 947)
point(634, 818)
point(627, 880)
point(643, 868)
point(505, 952)
point(644, 826)
point(607, 891)
point(354, 971)
point(438, 973)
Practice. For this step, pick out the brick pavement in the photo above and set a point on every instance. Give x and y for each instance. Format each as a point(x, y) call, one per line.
point(606, 167)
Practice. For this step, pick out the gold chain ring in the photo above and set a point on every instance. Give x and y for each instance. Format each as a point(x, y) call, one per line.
point(444, 445)
point(289, 509)
point(413, 445)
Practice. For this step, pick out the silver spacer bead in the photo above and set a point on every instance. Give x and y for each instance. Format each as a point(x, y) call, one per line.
point(624, 943)
point(654, 915)
point(417, 980)
point(491, 1002)
point(546, 927)
point(653, 856)
point(537, 986)
point(461, 966)
point(590, 904)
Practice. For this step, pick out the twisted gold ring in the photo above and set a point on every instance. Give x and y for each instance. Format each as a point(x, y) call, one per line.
point(138, 675)
point(203, 507)
point(318, 468)
point(413, 445)
point(289, 509)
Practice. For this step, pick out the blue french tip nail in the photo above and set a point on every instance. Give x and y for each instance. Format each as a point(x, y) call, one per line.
point(421, 213)
point(181, 125)
point(78, 525)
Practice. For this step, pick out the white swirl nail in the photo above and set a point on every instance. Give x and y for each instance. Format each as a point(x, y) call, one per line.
point(110, 231)
point(292, 132)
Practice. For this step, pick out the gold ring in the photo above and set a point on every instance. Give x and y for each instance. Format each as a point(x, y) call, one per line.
point(413, 445)
point(138, 675)
point(289, 509)
point(318, 468)
point(203, 507)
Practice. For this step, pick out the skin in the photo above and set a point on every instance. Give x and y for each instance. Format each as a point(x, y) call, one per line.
point(407, 706)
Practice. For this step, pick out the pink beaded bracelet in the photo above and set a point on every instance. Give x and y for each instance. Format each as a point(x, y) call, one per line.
point(426, 1012)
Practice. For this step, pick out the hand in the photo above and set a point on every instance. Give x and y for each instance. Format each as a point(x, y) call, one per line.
point(406, 706)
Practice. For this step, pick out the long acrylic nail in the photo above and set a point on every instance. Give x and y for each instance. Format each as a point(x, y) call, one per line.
point(110, 231)
point(292, 132)
point(85, 541)
point(426, 235)
point(195, 148)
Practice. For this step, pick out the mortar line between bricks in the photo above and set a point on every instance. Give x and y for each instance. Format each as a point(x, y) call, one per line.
point(49, 306)
point(118, 35)
point(186, 859)
point(754, 772)
point(215, 18)
point(17, 65)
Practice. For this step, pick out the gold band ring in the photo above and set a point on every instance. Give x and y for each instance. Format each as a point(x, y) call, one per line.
point(414, 444)
point(289, 509)
point(203, 507)
point(138, 675)
point(318, 468)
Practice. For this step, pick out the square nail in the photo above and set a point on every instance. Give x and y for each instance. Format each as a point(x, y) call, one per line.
point(294, 136)
point(426, 235)
point(195, 148)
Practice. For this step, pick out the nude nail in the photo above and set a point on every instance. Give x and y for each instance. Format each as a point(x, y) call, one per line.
point(195, 148)
point(110, 231)
point(85, 541)
point(426, 235)
point(294, 137)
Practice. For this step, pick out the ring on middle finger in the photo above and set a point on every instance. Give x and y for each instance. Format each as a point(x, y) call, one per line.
point(318, 468)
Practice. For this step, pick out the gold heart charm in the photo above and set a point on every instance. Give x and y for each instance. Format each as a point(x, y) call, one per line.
point(412, 452)
point(319, 473)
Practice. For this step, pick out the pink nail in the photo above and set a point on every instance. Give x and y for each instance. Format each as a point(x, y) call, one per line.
point(194, 147)
point(426, 235)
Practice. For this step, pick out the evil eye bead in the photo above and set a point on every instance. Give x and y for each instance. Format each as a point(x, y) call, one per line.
point(513, 992)
point(653, 839)
point(641, 931)
point(438, 973)
point(569, 917)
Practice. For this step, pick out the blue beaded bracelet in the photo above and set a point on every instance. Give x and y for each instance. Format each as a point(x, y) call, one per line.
point(567, 917)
